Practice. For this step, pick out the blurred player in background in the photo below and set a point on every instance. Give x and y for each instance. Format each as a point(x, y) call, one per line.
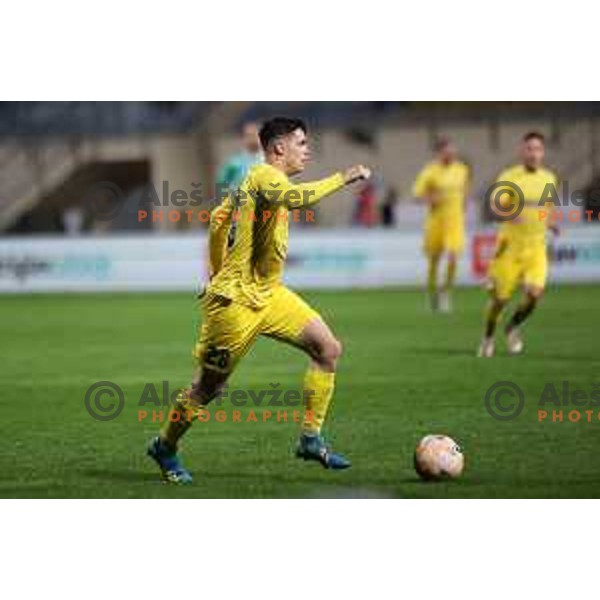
point(234, 170)
point(246, 298)
point(365, 211)
point(443, 185)
point(388, 208)
point(521, 257)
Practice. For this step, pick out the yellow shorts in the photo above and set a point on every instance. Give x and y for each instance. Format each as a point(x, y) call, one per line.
point(510, 269)
point(229, 329)
point(442, 236)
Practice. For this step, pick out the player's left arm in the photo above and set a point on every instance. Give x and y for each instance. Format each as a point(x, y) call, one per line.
point(278, 189)
point(552, 221)
point(468, 181)
point(422, 186)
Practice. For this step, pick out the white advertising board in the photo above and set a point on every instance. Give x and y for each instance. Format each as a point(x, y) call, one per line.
point(317, 259)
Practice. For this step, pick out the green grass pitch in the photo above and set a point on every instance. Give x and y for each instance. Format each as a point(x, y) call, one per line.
point(405, 373)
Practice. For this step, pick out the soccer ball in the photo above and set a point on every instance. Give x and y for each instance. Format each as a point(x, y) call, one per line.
point(438, 457)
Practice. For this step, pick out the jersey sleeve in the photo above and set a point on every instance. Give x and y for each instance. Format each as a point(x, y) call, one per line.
point(422, 183)
point(220, 224)
point(276, 188)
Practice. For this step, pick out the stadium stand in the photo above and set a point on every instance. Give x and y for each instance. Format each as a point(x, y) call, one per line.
point(51, 152)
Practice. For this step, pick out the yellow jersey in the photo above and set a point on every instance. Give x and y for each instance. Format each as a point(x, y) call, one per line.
point(528, 229)
point(252, 267)
point(448, 184)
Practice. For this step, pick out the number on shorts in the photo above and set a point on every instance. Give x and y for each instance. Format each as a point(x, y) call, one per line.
point(217, 357)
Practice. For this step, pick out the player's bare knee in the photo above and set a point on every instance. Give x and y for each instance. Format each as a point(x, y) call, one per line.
point(339, 349)
point(535, 295)
point(329, 353)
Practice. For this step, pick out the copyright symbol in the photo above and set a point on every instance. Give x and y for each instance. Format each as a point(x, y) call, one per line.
point(106, 200)
point(104, 409)
point(494, 195)
point(504, 401)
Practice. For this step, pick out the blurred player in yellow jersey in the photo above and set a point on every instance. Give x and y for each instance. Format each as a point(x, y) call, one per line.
point(521, 257)
point(443, 185)
point(246, 297)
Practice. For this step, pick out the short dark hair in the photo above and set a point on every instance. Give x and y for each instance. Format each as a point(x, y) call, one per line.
point(441, 143)
point(534, 135)
point(278, 127)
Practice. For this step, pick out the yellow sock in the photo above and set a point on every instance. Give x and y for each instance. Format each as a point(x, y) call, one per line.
point(180, 420)
point(450, 274)
point(318, 391)
point(432, 267)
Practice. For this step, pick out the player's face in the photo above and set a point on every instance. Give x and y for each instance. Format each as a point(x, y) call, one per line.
point(447, 153)
point(250, 138)
point(532, 153)
point(297, 152)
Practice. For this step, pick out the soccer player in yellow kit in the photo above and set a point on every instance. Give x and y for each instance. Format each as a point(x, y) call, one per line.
point(246, 298)
point(443, 185)
point(521, 257)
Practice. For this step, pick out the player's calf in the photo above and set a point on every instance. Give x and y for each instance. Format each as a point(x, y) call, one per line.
point(433, 301)
point(445, 299)
point(514, 339)
point(487, 348)
point(325, 350)
point(163, 449)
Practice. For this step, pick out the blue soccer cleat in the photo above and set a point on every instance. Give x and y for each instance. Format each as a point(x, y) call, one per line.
point(170, 466)
point(313, 447)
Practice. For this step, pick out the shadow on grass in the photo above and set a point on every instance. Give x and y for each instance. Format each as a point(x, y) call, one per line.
point(124, 476)
point(437, 351)
point(502, 355)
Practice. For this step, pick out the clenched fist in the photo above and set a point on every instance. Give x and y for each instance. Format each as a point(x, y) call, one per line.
point(357, 173)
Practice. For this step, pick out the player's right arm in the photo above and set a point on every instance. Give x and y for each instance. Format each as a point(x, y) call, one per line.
point(275, 186)
point(220, 224)
point(551, 212)
point(504, 193)
point(423, 186)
